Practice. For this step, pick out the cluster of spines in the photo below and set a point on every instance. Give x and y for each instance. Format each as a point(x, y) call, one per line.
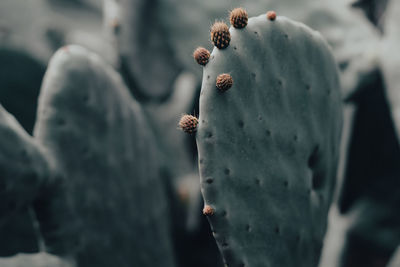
point(238, 18)
point(220, 35)
point(208, 210)
point(271, 15)
point(188, 124)
point(224, 82)
point(201, 55)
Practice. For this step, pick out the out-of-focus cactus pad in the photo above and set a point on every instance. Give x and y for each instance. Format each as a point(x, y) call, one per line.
point(106, 153)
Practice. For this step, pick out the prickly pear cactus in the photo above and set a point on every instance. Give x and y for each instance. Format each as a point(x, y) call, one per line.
point(268, 136)
point(110, 207)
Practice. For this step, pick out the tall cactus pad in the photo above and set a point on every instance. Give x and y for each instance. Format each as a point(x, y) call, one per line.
point(268, 146)
point(103, 147)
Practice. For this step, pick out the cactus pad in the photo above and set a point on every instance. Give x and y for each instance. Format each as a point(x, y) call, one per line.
point(268, 147)
point(97, 134)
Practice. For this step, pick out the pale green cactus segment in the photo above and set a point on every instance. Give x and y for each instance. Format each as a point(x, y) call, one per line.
point(269, 145)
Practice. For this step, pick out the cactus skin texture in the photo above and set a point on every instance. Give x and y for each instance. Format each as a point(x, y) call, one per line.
point(99, 141)
point(268, 147)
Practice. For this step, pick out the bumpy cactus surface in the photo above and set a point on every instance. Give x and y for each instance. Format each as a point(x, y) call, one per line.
point(268, 146)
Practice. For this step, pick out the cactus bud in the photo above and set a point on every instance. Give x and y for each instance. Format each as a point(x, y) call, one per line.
point(220, 35)
point(208, 210)
point(224, 82)
point(271, 15)
point(188, 124)
point(201, 55)
point(115, 25)
point(238, 18)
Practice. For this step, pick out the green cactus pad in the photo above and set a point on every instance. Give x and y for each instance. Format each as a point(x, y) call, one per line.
point(268, 147)
point(97, 134)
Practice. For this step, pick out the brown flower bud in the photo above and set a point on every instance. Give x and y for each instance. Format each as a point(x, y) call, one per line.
point(224, 82)
point(238, 18)
point(220, 35)
point(201, 55)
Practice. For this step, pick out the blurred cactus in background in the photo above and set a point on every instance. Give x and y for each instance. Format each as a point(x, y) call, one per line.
point(95, 172)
